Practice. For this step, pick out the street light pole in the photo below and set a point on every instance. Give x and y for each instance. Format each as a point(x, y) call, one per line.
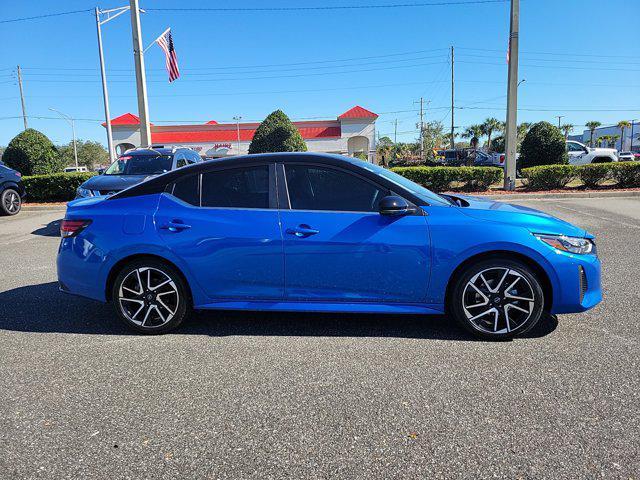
point(237, 119)
point(73, 132)
point(110, 14)
point(511, 134)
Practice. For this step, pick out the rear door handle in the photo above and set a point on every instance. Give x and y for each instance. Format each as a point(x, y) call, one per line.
point(302, 231)
point(175, 226)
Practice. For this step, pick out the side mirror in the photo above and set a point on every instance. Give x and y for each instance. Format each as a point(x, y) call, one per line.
point(393, 205)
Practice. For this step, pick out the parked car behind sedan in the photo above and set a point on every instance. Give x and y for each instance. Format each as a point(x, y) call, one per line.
point(12, 190)
point(321, 233)
point(580, 154)
point(627, 157)
point(135, 166)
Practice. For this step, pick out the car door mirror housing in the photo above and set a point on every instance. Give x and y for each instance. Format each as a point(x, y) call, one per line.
point(392, 205)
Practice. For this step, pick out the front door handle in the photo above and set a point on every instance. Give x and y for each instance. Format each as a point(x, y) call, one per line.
point(302, 231)
point(175, 226)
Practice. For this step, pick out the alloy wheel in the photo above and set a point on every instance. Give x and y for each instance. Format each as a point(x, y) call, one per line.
point(148, 297)
point(498, 300)
point(11, 202)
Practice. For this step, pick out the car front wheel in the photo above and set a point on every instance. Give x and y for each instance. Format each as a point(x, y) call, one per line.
point(10, 202)
point(497, 299)
point(150, 296)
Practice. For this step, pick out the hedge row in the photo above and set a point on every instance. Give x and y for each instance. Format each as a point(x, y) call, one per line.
point(56, 186)
point(442, 179)
point(553, 177)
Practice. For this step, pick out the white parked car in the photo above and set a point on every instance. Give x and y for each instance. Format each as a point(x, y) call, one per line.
point(75, 169)
point(580, 154)
point(626, 156)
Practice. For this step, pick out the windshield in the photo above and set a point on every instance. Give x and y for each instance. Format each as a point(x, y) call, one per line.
point(418, 190)
point(140, 165)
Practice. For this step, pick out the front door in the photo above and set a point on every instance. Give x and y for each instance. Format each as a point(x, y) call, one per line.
point(338, 247)
point(227, 232)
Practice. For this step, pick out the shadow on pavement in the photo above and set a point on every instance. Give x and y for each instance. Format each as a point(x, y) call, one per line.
point(44, 309)
point(51, 229)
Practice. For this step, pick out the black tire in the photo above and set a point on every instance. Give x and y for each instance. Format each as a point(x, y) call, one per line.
point(10, 202)
point(601, 160)
point(138, 285)
point(481, 287)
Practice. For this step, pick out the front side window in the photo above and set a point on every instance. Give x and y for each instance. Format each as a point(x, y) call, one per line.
point(574, 147)
point(236, 188)
point(319, 188)
point(140, 165)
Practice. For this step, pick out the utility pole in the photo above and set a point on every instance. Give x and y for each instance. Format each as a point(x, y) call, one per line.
point(141, 79)
point(421, 128)
point(511, 138)
point(560, 117)
point(395, 140)
point(453, 144)
point(237, 119)
point(24, 111)
point(631, 146)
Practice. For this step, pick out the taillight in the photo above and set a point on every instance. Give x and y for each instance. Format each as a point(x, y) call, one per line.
point(71, 228)
point(18, 174)
point(502, 158)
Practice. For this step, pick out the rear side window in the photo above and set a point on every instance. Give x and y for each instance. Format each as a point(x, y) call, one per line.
point(320, 188)
point(186, 189)
point(236, 188)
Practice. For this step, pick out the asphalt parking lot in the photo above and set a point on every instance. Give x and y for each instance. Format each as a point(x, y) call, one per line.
point(236, 395)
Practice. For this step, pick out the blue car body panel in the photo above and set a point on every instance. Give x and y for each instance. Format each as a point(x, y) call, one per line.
point(352, 261)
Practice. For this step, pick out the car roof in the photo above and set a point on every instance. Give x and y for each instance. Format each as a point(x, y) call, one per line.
point(155, 151)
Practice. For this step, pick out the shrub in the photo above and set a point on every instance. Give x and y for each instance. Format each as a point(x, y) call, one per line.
point(549, 177)
point(625, 174)
point(440, 179)
point(57, 186)
point(593, 174)
point(543, 144)
point(276, 133)
point(32, 153)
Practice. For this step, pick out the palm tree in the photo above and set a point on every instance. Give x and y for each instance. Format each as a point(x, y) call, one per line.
point(489, 126)
point(592, 125)
point(523, 128)
point(566, 129)
point(613, 139)
point(622, 125)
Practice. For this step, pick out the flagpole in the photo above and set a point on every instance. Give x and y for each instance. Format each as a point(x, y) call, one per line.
point(141, 79)
point(105, 92)
point(151, 44)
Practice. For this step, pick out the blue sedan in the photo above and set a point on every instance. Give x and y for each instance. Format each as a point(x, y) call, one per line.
point(321, 233)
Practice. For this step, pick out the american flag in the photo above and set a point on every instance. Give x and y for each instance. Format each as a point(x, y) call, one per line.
point(171, 61)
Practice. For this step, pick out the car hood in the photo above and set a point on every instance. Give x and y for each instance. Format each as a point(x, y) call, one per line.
point(114, 182)
point(534, 220)
point(603, 150)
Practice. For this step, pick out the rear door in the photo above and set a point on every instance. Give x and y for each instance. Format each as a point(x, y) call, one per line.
point(224, 225)
point(339, 248)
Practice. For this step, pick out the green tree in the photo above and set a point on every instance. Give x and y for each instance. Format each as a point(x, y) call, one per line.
point(566, 129)
point(489, 126)
point(433, 137)
point(613, 139)
point(623, 125)
point(276, 133)
point(32, 153)
point(592, 125)
point(90, 154)
point(497, 144)
point(544, 144)
point(523, 128)
point(384, 150)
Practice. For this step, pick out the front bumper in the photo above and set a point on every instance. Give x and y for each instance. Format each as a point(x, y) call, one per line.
point(577, 285)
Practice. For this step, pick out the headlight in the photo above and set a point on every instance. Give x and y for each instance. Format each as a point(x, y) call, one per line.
point(83, 192)
point(577, 245)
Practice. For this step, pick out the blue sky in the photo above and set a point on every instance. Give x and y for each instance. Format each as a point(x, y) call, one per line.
point(575, 55)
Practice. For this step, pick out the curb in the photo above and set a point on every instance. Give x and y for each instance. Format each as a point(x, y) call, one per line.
point(43, 208)
point(556, 196)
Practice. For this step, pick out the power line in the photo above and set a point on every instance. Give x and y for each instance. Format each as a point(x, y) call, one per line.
point(35, 17)
point(327, 8)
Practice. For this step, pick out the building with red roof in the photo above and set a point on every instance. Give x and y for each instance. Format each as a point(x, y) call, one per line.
point(350, 133)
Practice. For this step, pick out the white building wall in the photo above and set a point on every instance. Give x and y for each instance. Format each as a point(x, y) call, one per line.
point(622, 144)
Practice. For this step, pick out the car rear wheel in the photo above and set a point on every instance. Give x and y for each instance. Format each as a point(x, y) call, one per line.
point(150, 296)
point(10, 202)
point(497, 299)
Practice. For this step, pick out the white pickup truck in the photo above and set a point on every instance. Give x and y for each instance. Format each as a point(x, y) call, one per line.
point(580, 154)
